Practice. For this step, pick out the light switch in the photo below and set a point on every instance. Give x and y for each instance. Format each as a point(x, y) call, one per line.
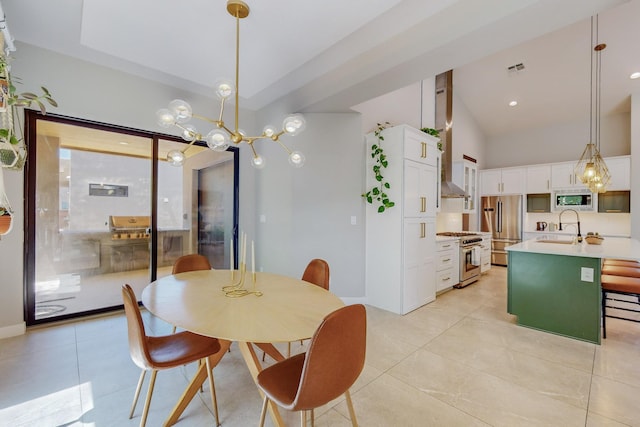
point(353, 220)
point(586, 274)
point(263, 218)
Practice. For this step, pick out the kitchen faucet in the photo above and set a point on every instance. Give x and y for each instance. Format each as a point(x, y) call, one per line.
point(579, 236)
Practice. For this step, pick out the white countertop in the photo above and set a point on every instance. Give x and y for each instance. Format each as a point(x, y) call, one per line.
point(446, 238)
point(610, 248)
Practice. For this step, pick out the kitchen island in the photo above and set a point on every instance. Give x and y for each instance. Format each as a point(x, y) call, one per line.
point(555, 287)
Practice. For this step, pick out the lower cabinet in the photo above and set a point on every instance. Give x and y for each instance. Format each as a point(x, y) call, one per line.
point(485, 258)
point(448, 264)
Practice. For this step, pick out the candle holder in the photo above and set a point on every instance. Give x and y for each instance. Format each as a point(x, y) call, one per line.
point(236, 289)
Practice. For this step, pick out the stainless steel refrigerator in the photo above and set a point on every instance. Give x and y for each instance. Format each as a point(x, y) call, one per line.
point(502, 217)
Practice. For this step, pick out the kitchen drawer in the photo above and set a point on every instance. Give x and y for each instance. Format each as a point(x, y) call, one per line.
point(446, 246)
point(446, 279)
point(445, 260)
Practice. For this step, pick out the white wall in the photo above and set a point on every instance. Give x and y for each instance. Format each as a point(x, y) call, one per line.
point(466, 135)
point(412, 105)
point(97, 93)
point(557, 143)
point(635, 165)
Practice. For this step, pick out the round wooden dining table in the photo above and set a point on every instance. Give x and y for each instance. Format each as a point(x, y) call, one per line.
point(284, 309)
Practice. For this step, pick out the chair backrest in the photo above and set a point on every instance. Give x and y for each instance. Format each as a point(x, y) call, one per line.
point(317, 272)
point(191, 262)
point(335, 357)
point(135, 326)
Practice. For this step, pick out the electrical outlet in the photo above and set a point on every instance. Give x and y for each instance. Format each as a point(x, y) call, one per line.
point(353, 220)
point(586, 274)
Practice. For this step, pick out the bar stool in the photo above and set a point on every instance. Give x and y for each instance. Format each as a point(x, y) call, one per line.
point(628, 285)
point(621, 262)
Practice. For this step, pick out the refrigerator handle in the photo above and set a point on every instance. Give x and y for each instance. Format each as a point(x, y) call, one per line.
point(499, 218)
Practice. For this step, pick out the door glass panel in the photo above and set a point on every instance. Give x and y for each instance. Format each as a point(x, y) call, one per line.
point(196, 206)
point(92, 217)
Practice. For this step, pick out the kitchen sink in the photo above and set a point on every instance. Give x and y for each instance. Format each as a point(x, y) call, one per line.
point(563, 242)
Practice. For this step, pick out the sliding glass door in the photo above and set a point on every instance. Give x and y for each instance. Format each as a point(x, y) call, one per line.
point(104, 208)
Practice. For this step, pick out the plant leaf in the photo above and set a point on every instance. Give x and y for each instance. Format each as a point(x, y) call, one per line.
point(381, 209)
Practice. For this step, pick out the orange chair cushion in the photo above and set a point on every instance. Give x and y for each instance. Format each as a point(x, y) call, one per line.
point(622, 262)
point(615, 270)
point(620, 283)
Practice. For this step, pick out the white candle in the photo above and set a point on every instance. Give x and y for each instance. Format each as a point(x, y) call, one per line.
point(253, 260)
point(231, 256)
point(244, 250)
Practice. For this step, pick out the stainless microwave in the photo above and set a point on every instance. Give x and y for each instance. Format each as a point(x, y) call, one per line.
point(580, 200)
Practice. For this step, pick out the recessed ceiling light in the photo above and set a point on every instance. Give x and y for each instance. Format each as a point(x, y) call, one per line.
point(513, 103)
point(635, 75)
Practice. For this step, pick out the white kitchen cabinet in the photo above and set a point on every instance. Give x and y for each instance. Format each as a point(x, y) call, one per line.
point(447, 264)
point(563, 176)
point(620, 170)
point(465, 175)
point(401, 241)
point(502, 181)
point(485, 257)
point(538, 179)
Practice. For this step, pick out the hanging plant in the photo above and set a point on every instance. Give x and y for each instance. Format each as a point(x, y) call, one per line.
point(433, 132)
point(12, 149)
point(377, 195)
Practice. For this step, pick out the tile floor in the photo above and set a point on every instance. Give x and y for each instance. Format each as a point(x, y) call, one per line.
point(459, 361)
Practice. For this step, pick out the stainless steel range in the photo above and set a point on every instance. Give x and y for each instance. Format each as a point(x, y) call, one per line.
point(470, 251)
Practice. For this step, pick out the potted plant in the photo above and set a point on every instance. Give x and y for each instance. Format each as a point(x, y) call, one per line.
point(6, 221)
point(377, 194)
point(12, 149)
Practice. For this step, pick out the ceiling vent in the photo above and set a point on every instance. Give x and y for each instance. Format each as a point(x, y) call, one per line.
point(515, 69)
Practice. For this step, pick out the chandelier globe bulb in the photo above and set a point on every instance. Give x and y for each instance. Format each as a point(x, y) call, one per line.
point(181, 110)
point(176, 158)
point(224, 88)
point(269, 131)
point(294, 124)
point(258, 161)
point(165, 118)
point(189, 133)
point(218, 140)
point(296, 159)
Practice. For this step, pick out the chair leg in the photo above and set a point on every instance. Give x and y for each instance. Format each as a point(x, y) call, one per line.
point(352, 413)
point(135, 396)
point(313, 419)
point(288, 349)
point(212, 387)
point(174, 329)
point(604, 314)
point(263, 412)
point(147, 403)
point(303, 418)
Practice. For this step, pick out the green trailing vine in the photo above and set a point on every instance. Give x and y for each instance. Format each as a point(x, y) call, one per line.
point(377, 195)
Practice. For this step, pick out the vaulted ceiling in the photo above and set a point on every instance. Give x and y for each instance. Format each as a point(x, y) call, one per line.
point(328, 56)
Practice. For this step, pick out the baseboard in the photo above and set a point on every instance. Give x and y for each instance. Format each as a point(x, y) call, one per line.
point(13, 330)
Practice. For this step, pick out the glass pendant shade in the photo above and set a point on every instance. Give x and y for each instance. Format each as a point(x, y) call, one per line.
point(224, 89)
point(189, 133)
point(258, 162)
point(592, 170)
point(296, 159)
point(269, 131)
point(294, 124)
point(165, 118)
point(181, 110)
point(218, 140)
point(176, 157)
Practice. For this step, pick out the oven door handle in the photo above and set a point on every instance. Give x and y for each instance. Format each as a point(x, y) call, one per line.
point(499, 218)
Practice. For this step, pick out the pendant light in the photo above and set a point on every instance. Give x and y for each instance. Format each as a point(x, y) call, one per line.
point(591, 168)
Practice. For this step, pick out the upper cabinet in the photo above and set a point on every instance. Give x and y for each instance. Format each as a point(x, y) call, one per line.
point(502, 181)
point(563, 176)
point(620, 170)
point(538, 179)
point(465, 176)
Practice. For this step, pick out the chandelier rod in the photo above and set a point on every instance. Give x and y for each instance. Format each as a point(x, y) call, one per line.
point(237, 15)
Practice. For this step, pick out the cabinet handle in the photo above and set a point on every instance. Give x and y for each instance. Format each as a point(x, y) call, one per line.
point(446, 260)
point(423, 232)
point(498, 187)
point(548, 184)
point(446, 246)
point(614, 210)
point(446, 279)
point(424, 150)
point(423, 204)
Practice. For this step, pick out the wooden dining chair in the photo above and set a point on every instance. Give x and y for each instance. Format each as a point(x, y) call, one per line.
point(191, 262)
point(332, 364)
point(152, 353)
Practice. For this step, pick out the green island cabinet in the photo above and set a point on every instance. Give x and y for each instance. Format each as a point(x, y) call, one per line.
point(546, 292)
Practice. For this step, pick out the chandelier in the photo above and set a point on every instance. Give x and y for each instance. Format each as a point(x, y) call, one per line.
point(591, 168)
point(179, 113)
